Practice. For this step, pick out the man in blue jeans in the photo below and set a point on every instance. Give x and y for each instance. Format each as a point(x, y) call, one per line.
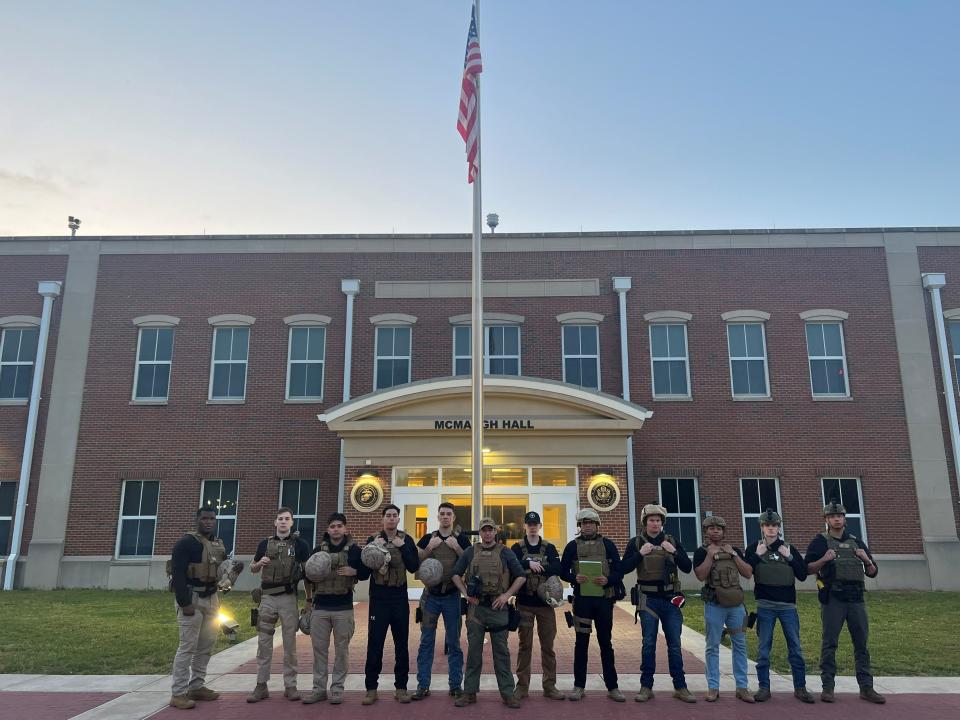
point(776, 568)
point(719, 566)
point(658, 558)
point(445, 544)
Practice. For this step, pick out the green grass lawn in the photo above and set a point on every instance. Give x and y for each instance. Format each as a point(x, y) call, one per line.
point(911, 633)
point(98, 631)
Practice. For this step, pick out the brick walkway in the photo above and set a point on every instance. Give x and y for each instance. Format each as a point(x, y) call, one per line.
point(49, 706)
point(627, 643)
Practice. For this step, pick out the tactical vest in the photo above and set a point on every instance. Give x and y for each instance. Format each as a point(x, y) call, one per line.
point(396, 574)
point(448, 558)
point(847, 568)
point(723, 583)
point(205, 572)
point(534, 580)
point(336, 584)
point(284, 568)
point(774, 570)
point(595, 550)
point(489, 567)
point(657, 572)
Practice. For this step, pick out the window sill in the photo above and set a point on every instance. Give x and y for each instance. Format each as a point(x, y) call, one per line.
point(148, 402)
point(832, 398)
point(303, 401)
point(226, 401)
point(137, 560)
point(752, 398)
point(673, 398)
point(14, 401)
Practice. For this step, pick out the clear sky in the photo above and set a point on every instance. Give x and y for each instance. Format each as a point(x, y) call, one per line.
point(339, 117)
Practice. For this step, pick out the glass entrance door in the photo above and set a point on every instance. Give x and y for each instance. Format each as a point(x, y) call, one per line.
point(507, 511)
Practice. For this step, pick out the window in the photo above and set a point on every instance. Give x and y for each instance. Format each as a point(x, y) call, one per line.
point(305, 361)
point(847, 492)
point(668, 356)
point(680, 498)
point(746, 343)
point(8, 492)
point(954, 328)
point(301, 497)
point(138, 518)
point(18, 351)
point(756, 495)
point(581, 356)
point(828, 362)
point(392, 357)
point(228, 378)
point(503, 349)
point(222, 495)
point(154, 357)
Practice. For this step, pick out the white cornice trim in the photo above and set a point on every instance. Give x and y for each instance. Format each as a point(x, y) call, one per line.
point(307, 319)
point(393, 319)
point(489, 318)
point(573, 318)
point(823, 315)
point(19, 321)
point(953, 314)
point(668, 316)
point(231, 319)
point(156, 321)
point(745, 316)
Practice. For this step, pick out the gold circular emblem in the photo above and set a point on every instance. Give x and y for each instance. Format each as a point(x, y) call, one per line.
point(367, 495)
point(603, 493)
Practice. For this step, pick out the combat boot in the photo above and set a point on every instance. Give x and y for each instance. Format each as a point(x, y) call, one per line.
point(181, 702)
point(682, 694)
point(202, 693)
point(644, 694)
point(551, 693)
point(370, 698)
point(259, 693)
point(803, 695)
point(871, 695)
point(827, 696)
point(401, 695)
point(465, 699)
point(616, 695)
point(745, 695)
point(315, 697)
point(712, 695)
point(336, 698)
point(291, 693)
point(521, 692)
point(763, 694)
point(512, 701)
point(577, 694)
point(420, 693)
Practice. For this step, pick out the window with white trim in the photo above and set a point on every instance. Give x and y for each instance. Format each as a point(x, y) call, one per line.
point(228, 374)
point(393, 352)
point(154, 358)
point(757, 495)
point(828, 360)
point(668, 359)
point(301, 497)
point(954, 327)
point(138, 518)
point(18, 353)
point(222, 495)
point(581, 355)
point(746, 343)
point(8, 493)
point(681, 500)
point(847, 492)
point(305, 363)
point(503, 349)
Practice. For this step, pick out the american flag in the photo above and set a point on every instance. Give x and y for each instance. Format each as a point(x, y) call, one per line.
point(467, 121)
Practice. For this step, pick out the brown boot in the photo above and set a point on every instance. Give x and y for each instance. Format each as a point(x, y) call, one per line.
point(712, 695)
point(745, 695)
point(551, 693)
point(871, 695)
point(682, 694)
point(803, 695)
point(291, 693)
point(203, 693)
point(181, 702)
point(401, 695)
point(465, 699)
point(762, 695)
point(827, 696)
point(315, 697)
point(259, 693)
point(370, 698)
point(512, 701)
point(521, 692)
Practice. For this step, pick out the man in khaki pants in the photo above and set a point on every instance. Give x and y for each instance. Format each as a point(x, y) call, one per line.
point(280, 559)
point(194, 569)
point(333, 610)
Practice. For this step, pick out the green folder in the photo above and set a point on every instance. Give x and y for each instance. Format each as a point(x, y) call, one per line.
point(592, 569)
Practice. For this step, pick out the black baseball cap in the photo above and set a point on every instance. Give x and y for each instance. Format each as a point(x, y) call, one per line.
point(531, 518)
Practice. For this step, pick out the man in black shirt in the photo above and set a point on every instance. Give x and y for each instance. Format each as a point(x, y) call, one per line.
point(445, 544)
point(280, 559)
point(332, 600)
point(389, 606)
point(841, 561)
point(539, 560)
point(657, 558)
point(776, 568)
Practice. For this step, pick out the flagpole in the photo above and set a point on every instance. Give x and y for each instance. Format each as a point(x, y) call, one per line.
point(476, 357)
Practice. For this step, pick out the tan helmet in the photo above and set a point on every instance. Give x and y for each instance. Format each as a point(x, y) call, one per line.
point(304, 621)
point(834, 508)
point(769, 517)
point(374, 556)
point(430, 572)
point(714, 520)
point(551, 591)
point(318, 566)
point(588, 514)
point(652, 509)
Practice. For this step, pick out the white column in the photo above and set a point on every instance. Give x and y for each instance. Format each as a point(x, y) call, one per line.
point(350, 288)
point(621, 285)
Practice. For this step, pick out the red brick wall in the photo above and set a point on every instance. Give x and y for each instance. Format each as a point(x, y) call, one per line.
point(19, 275)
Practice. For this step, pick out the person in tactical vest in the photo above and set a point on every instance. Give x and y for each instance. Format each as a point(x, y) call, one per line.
point(719, 566)
point(595, 591)
point(389, 606)
point(279, 559)
point(539, 560)
point(332, 601)
point(445, 544)
point(194, 566)
point(658, 558)
point(776, 568)
point(841, 561)
point(488, 574)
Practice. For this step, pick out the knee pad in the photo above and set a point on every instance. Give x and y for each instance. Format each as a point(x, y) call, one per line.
point(583, 626)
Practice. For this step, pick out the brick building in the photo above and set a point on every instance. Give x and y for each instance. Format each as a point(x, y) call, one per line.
point(763, 369)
